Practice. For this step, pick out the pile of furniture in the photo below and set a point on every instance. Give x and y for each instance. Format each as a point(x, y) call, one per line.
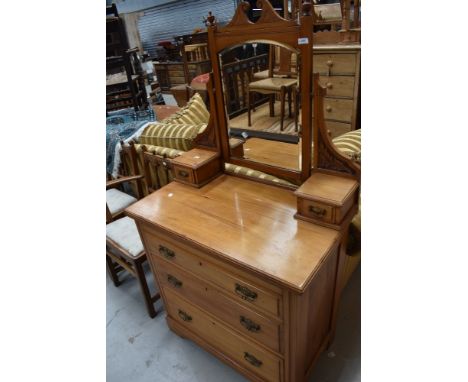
point(125, 83)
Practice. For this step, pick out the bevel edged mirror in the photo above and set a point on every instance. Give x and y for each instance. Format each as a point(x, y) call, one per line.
point(259, 88)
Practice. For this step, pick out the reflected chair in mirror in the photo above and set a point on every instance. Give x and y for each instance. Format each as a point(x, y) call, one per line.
point(282, 81)
point(196, 60)
point(124, 248)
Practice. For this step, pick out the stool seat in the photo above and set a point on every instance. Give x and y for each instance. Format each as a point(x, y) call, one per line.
point(117, 200)
point(124, 233)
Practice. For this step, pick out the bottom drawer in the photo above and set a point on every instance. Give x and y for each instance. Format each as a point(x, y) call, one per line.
point(238, 349)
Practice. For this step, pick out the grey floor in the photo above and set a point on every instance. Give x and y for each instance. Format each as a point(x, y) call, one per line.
point(140, 349)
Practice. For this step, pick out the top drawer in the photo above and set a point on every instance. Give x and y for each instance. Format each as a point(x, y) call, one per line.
point(252, 293)
point(334, 64)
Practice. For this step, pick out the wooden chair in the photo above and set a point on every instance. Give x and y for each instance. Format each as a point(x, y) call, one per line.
point(117, 200)
point(280, 81)
point(196, 60)
point(124, 248)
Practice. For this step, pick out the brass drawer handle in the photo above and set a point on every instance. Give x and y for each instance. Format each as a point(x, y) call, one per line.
point(183, 174)
point(245, 293)
point(184, 316)
point(166, 252)
point(317, 210)
point(252, 360)
point(249, 324)
point(328, 108)
point(174, 281)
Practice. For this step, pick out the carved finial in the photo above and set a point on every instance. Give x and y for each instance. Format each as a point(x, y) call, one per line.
point(245, 6)
point(306, 8)
point(211, 19)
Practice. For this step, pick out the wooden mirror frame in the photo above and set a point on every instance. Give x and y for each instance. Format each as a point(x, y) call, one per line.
point(270, 28)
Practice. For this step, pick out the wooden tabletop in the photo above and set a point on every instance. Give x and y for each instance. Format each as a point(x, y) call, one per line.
point(275, 153)
point(245, 222)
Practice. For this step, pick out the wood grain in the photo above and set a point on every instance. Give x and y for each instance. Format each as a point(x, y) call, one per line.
point(236, 219)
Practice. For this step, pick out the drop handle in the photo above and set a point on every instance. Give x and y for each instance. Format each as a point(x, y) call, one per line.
point(249, 324)
point(176, 283)
point(245, 293)
point(183, 174)
point(184, 316)
point(252, 360)
point(317, 210)
point(166, 252)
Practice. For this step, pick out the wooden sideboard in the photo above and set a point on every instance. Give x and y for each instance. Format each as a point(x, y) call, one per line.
point(339, 68)
point(240, 276)
point(169, 74)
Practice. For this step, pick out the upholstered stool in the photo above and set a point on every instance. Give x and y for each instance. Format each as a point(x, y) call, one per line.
point(124, 251)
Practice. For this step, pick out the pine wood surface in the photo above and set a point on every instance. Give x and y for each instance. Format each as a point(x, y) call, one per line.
point(195, 158)
point(246, 222)
point(327, 188)
point(281, 154)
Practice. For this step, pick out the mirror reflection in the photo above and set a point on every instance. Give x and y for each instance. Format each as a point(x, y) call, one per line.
point(261, 92)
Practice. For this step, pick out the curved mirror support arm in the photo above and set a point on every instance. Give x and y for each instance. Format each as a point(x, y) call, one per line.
point(326, 157)
point(209, 138)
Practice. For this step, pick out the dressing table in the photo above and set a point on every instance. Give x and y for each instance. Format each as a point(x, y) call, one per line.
point(240, 272)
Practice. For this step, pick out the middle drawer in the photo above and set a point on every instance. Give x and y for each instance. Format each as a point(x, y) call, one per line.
point(246, 321)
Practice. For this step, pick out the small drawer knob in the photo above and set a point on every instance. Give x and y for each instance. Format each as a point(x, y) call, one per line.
point(328, 108)
point(329, 63)
point(183, 174)
point(317, 211)
point(329, 85)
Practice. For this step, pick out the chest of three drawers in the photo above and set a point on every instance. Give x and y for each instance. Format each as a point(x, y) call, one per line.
point(339, 69)
point(228, 311)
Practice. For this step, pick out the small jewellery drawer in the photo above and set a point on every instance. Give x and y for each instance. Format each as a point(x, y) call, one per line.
point(338, 86)
point(315, 210)
point(246, 321)
point(330, 64)
point(240, 350)
point(338, 109)
point(239, 288)
point(183, 173)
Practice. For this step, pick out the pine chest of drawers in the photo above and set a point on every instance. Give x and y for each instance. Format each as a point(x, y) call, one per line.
point(339, 68)
point(240, 276)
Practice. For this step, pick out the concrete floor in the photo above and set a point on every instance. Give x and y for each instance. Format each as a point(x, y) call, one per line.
point(140, 349)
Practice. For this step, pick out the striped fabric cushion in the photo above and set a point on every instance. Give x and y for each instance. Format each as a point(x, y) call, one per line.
point(168, 152)
point(234, 169)
point(173, 135)
point(194, 113)
point(350, 144)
